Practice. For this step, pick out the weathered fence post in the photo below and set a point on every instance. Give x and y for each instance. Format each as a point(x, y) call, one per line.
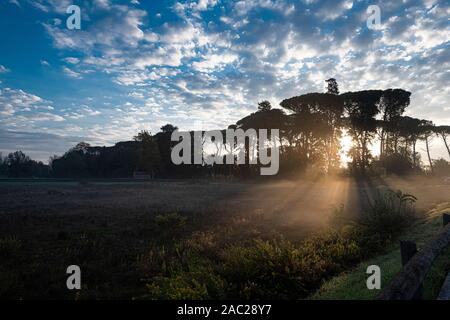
point(407, 250)
point(407, 282)
point(446, 219)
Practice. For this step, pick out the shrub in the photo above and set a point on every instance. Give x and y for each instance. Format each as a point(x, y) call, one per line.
point(170, 222)
point(206, 267)
point(388, 215)
point(266, 269)
point(9, 247)
point(201, 283)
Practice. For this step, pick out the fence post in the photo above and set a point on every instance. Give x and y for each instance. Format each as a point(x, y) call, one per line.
point(446, 219)
point(407, 250)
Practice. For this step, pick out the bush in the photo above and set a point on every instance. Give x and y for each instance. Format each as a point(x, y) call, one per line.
point(202, 283)
point(275, 269)
point(210, 265)
point(170, 221)
point(9, 247)
point(441, 167)
point(170, 224)
point(388, 215)
point(266, 269)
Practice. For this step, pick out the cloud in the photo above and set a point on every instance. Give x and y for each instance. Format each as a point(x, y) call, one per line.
point(212, 61)
point(43, 116)
point(12, 101)
point(59, 6)
point(39, 146)
point(72, 60)
point(3, 69)
point(71, 73)
point(22, 109)
point(15, 2)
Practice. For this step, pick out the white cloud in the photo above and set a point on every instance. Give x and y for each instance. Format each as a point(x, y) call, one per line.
point(214, 62)
point(12, 101)
point(43, 116)
point(15, 2)
point(59, 6)
point(71, 60)
point(71, 73)
point(3, 69)
point(238, 57)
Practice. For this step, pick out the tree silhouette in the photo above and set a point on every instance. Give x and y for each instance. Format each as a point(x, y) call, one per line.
point(333, 87)
point(264, 106)
point(311, 127)
point(410, 129)
point(361, 108)
point(427, 129)
point(444, 132)
point(165, 145)
point(392, 105)
point(149, 157)
point(315, 127)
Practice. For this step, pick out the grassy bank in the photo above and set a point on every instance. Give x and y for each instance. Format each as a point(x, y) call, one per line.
point(352, 284)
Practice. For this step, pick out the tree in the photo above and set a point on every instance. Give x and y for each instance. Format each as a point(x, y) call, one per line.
point(264, 106)
point(361, 108)
point(427, 130)
point(149, 158)
point(444, 132)
point(17, 164)
point(82, 147)
point(392, 105)
point(264, 118)
point(333, 87)
point(168, 128)
point(165, 144)
point(410, 129)
point(315, 127)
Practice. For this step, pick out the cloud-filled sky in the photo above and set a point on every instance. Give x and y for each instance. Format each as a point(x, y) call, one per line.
point(203, 64)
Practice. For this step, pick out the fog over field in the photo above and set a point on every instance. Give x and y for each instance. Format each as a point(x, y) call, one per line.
point(301, 204)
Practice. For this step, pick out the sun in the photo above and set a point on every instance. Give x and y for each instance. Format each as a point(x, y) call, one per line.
point(346, 142)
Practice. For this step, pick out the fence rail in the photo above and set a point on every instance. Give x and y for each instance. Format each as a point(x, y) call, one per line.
point(407, 284)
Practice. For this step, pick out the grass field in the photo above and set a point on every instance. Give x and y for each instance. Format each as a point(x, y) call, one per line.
point(112, 231)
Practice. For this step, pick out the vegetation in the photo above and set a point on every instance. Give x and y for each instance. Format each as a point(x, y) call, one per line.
point(351, 284)
point(149, 253)
point(206, 267)
point(311, 126)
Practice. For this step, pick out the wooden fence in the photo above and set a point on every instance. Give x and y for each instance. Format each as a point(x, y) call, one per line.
point(408, 283)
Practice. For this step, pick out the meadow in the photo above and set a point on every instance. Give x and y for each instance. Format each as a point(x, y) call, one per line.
point(198, 239)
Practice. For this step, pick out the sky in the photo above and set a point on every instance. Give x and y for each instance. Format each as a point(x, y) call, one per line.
point(203, 64)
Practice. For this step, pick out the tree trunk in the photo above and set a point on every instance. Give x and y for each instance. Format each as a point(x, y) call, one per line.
point(428, 153)
point(446, 144)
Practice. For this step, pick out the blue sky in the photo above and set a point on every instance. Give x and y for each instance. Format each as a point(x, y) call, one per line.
point(203, 64)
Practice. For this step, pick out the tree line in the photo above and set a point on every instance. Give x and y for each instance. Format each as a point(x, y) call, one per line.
point(311, 127)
